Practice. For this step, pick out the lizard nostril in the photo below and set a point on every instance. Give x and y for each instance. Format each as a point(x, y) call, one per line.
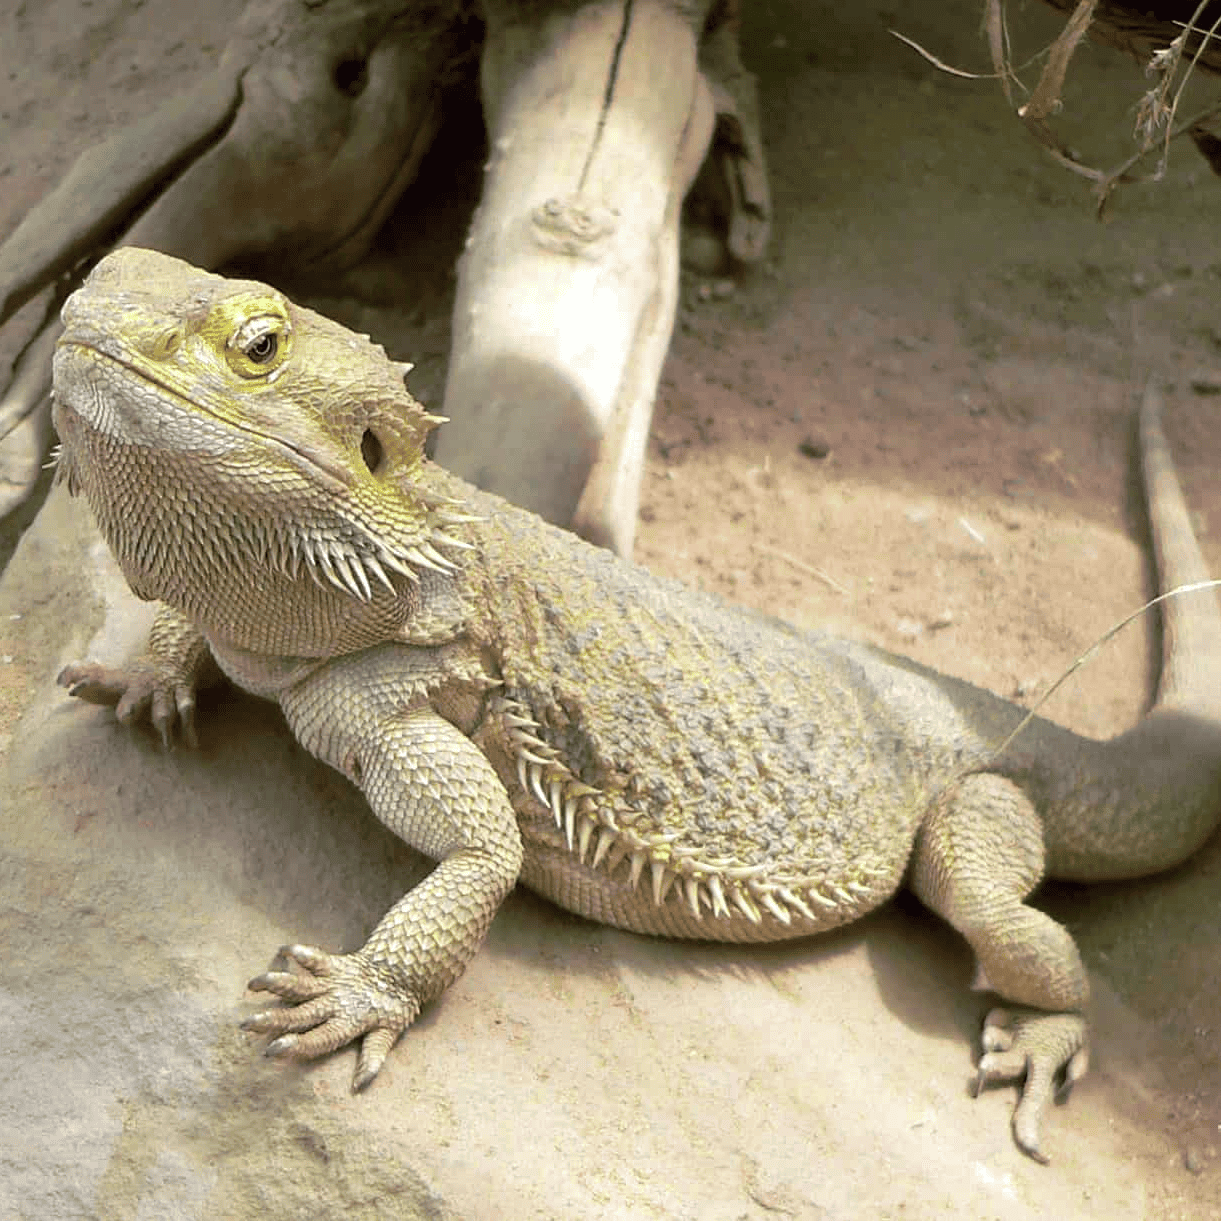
point(371, 451)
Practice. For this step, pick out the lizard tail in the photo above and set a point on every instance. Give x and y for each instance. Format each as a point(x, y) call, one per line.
point(1146, 800)
point(1191, 623)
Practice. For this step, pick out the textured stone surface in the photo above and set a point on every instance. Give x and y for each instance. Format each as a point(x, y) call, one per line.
point(574, 1071)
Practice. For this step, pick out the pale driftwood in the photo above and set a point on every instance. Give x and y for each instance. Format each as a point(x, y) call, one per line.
point(598, 121)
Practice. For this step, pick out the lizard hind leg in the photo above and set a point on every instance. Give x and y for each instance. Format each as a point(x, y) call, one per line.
point(978, 855)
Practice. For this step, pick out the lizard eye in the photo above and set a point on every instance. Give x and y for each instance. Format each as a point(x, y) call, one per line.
point(259, 346)
point(371, 451)
point(262, 350)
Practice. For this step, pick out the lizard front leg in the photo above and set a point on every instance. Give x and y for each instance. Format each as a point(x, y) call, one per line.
point(160, 684)
point(433, 787)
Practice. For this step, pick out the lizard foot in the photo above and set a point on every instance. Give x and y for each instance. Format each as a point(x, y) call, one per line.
point(1048, 1051)
point(333, 999)
point(142, 689)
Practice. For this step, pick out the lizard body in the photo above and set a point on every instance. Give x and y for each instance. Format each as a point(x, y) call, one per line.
point(519, 705)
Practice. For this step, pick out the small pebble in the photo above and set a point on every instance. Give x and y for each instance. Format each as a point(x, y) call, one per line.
point(971, 530)
point(1206, 382)
point(813, 447)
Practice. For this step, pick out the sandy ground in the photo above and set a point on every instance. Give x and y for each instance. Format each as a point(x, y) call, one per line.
point(912, 424)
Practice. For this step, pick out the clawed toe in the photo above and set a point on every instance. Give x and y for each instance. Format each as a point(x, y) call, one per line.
point(1046, 1052)
point(136, 693)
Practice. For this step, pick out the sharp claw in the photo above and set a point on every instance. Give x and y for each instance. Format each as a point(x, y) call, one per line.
point(283, 1046)
point(1074, 1070)
point(185, 702)
point(315, 961)
point(1026, 1134)
point(374, 1049)
point(272, 981)
point(365, 1072)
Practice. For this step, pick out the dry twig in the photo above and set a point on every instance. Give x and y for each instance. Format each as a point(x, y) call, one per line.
point(1155, 126)
point(802, 566)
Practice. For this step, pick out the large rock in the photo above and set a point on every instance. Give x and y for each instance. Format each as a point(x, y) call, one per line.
point(575, 1071)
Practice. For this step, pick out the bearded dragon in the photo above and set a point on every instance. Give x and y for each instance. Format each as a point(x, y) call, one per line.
point(519, 705)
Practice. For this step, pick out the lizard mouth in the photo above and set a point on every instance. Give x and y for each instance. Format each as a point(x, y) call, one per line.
point(82, 358)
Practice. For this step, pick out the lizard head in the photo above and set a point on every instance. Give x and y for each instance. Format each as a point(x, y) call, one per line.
point(239, 449)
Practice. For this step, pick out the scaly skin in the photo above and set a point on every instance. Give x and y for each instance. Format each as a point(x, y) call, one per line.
point(517, 704)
